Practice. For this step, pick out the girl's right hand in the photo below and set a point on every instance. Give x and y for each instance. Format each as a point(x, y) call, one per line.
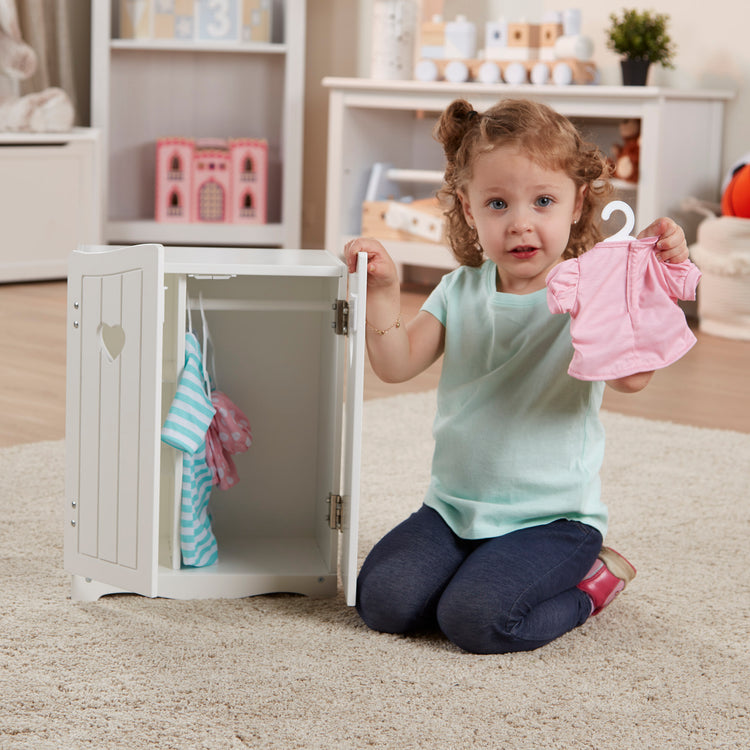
point(397, 352)
point(381, 270)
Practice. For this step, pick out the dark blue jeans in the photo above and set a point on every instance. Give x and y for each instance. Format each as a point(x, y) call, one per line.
point(489, 596)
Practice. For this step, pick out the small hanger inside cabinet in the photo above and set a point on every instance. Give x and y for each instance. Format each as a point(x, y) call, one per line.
point(625, 232)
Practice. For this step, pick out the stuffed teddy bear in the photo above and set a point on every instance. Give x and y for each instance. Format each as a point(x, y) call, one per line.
point(627, 153)
point(43, 112)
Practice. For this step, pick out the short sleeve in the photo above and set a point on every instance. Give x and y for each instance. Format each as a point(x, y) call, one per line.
point(562, 286)
point(681, 279)
point(436, 302)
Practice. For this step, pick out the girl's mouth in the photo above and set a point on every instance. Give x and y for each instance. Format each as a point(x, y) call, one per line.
point(523, 252)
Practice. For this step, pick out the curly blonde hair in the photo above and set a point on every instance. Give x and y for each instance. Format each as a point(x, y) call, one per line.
point(546, 137)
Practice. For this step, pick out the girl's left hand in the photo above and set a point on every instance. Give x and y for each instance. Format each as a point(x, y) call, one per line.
point(671, 247)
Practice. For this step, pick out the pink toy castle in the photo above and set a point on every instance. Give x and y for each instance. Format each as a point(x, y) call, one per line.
point(211, 180)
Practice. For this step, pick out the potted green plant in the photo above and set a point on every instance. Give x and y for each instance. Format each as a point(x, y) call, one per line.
point(641, 38)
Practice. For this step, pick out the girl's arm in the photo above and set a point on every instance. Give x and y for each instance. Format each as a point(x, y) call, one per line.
point(397, 351)
point(631, 383)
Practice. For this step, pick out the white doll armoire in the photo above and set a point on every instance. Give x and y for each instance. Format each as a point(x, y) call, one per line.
point(288, 334)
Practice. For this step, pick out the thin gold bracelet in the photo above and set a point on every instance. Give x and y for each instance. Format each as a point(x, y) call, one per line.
point(383, 331)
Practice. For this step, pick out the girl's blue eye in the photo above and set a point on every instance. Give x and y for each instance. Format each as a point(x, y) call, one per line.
point(497, 204)
point(544, 201)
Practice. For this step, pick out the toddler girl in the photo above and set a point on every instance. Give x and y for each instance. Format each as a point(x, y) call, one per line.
point(506, 552)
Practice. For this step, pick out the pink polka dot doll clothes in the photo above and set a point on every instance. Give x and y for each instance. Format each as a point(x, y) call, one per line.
point(624, 316)
point(228, 434)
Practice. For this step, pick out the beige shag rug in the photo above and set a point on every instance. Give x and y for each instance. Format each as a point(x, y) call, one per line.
point(666, 666)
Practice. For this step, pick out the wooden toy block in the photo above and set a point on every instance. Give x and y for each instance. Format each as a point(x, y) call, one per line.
point(524, 35)
point(550, 33)
point(374, 220)
point(256, 20)
point(432, 39)
point(495, 39)
point(175, 21)
point(217, 20)
point(135, 19)
point(229, 21)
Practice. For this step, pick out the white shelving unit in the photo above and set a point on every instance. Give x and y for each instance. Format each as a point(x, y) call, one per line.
point(49, 193)
point(146, 89)
point(391, 122)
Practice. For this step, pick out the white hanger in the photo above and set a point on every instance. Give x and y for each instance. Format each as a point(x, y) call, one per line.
point(624, 232)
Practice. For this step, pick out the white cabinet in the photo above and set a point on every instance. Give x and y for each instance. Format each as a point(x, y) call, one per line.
point(145, 89)
point(288, 343)
point(391, 122)
point(49, 201)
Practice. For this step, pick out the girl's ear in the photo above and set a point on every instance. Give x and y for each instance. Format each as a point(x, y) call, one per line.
point(466, 207)
point(578, 208)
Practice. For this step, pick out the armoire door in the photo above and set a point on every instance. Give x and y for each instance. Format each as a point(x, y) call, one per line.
point(115, 320)
point(353, 428)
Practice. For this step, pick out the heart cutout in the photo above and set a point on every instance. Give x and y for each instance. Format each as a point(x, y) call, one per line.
point(111, 340)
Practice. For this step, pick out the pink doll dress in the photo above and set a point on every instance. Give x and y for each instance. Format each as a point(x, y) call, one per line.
point(622, 301)
point(228, 434)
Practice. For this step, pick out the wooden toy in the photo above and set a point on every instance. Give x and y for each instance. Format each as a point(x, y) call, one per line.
point(524, 40)
point(419, 220)
point(550, 32)
point(516, 53)
point(211, 180)
point(496, 39)
point(460, 39)
point(221, 21)
point(135, 19)
point(174, 20)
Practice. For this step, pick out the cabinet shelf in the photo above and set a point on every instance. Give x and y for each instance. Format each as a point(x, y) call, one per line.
point(266, 235)
point(168, 45)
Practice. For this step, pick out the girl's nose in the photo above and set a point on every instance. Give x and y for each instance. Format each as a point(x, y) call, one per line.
point(520, 223)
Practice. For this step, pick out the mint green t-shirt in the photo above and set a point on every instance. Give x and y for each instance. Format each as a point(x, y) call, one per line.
point(518, 441)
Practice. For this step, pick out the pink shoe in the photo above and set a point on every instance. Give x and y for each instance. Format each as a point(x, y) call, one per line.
point(607, 578)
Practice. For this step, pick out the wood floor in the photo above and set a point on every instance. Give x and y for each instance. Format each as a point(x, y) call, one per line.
point(709, 387)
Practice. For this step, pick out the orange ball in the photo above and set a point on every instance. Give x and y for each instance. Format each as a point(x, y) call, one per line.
point(736, 198)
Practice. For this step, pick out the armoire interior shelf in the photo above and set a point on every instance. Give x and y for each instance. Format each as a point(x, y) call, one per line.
point(391, 122)
point(145, 89)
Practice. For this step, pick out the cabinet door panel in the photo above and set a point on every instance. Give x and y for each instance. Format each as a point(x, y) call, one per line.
point(113, 410)
point(353, 427)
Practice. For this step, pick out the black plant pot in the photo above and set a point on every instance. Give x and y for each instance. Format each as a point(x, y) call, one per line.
point(634, 72)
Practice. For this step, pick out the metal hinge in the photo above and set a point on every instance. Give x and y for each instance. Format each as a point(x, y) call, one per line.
point(335, 511)
point(341, 324)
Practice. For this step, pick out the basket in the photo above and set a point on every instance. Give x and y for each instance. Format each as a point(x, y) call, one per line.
point(722, 252)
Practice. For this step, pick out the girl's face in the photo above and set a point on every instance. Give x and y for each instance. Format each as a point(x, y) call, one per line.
point(522, 213)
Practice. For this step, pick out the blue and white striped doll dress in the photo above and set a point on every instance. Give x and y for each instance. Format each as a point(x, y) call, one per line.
point(185, 428)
